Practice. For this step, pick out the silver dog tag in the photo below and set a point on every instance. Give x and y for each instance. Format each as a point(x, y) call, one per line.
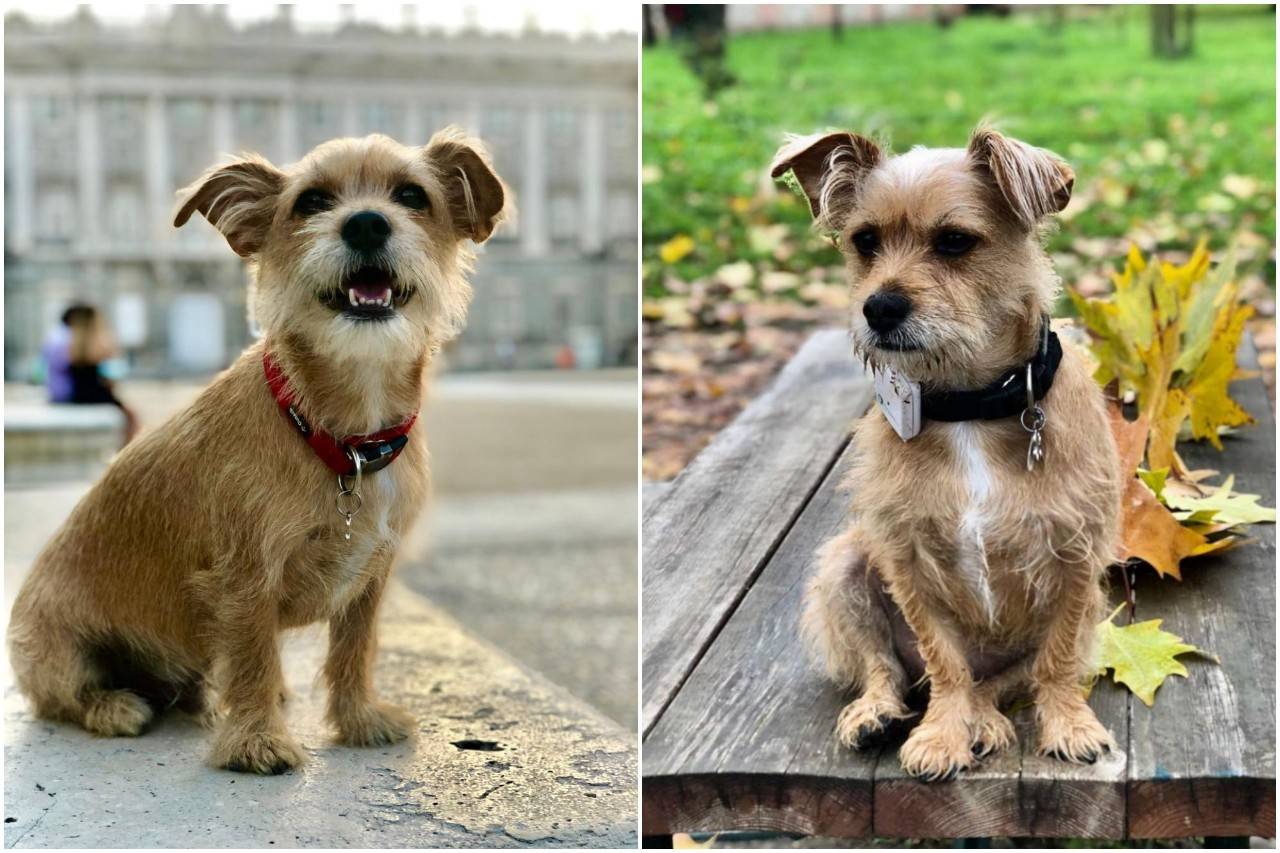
point(899, 399)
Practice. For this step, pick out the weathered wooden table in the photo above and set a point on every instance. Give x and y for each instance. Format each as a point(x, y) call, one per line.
point(738, 728)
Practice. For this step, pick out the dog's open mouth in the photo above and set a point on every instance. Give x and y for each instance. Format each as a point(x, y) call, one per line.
point(370, 293)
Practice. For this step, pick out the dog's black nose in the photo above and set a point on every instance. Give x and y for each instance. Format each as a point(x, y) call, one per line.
point(366, 231)
point(885, 310)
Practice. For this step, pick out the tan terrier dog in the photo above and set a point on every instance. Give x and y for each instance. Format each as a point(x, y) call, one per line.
point(986, 489)
point(172, 579)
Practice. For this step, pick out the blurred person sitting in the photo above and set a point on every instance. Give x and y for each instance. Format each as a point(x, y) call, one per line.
point(75, 355)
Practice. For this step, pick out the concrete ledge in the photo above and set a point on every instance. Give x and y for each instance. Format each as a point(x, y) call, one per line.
point(62, 417)
point(550, 771)
point(51, 442)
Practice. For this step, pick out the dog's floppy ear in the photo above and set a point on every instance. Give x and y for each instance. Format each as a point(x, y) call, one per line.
point(1033, 181)
point(477, 198)
point(238, 199)
point(826, 165)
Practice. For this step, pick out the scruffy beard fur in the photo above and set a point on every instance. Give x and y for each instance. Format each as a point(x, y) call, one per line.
point(959, 568)
point(169, 584)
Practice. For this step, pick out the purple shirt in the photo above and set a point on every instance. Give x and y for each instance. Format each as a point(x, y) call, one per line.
point(57, 360)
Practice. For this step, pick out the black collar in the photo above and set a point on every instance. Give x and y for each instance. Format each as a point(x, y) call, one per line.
point(1005, 397)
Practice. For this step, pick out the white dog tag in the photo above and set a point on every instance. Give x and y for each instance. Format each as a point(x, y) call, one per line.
point(899, 399)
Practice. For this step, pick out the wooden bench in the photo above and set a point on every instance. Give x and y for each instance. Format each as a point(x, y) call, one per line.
point(738, 726)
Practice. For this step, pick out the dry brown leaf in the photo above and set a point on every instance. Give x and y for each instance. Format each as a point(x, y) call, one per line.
point(1150, 533)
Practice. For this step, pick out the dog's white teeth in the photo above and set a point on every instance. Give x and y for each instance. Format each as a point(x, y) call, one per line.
point(357, 299)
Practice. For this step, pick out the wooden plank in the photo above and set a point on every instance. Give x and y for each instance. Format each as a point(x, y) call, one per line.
point(805, 805)
point(1203, 757)
point(709, 536)
point(748, 742)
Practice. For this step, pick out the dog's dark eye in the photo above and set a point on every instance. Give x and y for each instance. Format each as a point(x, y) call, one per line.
point(312, 201)
point(411, 196)
point(953, 243)
point(866, 242)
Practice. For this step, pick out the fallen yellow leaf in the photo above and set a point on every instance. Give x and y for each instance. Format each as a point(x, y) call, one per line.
point(676, 249)
point(1141, 656)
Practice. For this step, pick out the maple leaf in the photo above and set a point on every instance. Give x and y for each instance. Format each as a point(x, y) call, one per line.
point(1140, 656)
point(1164, 430)
point(1150, 533)
point(1225, 505)
point(1170, 334)
point(1201, 311)
point(1211, 407)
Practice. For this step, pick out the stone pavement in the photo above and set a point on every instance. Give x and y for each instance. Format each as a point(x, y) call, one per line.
point(549, 577)
point(502, 757)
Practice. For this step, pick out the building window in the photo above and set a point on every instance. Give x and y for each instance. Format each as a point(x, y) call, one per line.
point(318, 121)
point(381, 117)
point(503, 129)
point(621, 215)
point(506, 315)
point(620, 144)
point(564, 147)
point(191, 139)
point(54, 136)
point(126, 214)
point(55, 214)
point(564, 218)
point(122, 124)
point(256, 127)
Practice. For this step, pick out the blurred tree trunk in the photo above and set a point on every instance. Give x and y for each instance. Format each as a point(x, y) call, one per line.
point(1055, 19)
point(1172, 30)
point(700, 32)
point(837, 21)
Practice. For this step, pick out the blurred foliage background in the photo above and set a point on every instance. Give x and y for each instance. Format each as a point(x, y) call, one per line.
point(1166, 150)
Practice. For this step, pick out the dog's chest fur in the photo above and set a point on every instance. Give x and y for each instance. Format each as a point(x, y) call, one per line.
point(978, 479)
point(957, 504)
point(328, 571)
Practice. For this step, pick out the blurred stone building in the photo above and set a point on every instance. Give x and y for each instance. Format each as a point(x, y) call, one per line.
point(104, 123)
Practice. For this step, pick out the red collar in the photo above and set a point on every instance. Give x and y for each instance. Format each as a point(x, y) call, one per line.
point(377, 450)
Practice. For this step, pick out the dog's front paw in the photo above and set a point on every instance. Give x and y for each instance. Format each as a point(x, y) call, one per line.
point(267, 753)
point(869, 720)
point(375, 724)
point(937, 750)
point(992, 732)
point(1071, 732)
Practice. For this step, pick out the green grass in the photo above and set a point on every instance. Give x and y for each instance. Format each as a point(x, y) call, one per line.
point(1151, 140)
